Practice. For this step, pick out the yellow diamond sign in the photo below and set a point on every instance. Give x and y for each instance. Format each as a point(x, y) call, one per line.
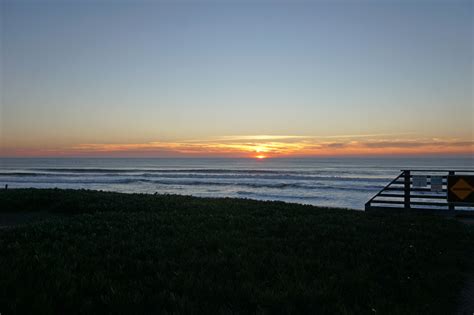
point(461, 188)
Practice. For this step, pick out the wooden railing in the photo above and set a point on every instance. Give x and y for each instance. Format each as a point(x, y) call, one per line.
point(401, 194)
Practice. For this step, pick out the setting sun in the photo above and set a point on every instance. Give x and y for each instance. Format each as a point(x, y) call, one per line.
point(260, 157)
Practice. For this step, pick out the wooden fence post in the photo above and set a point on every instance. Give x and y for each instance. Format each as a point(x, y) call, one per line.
point(451, 205)
point(407, 189)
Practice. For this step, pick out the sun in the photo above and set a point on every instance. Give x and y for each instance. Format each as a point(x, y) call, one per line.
point(260, 150)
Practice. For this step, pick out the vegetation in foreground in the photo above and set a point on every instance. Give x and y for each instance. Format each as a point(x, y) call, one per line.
point(127, 253)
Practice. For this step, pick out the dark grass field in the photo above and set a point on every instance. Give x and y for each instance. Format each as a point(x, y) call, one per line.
point(124, 253)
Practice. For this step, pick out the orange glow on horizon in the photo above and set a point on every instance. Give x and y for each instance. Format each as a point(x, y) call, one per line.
point(259, 147)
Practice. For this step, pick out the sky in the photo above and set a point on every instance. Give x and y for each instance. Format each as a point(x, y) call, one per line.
point(236, 78)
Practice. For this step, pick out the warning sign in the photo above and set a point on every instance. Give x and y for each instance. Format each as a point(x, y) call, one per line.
point(419, 181)
point(461, 188)
point(437, 183)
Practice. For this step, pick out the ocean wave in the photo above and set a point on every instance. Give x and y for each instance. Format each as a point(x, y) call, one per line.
point(35, 174)
point(165, 170)
point(282, 176)
point(151, 171)
point(280, 196)
point(236, 177)
point(307, 185)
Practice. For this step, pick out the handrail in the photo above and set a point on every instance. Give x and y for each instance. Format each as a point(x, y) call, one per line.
point(424, 196)
point(382, 190)
point(432, 170)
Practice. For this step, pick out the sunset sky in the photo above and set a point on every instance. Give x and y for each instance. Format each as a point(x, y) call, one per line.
point(236, 78)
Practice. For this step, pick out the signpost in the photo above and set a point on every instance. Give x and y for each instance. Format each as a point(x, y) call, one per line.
point(436, 183)
point(419, 181)
point(461, 188)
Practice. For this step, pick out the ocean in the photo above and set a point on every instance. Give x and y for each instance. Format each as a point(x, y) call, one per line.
point(331, 182)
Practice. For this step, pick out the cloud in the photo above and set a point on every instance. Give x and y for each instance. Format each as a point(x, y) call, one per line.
point(269, 145)
point(335, 145)
point(418, 144)
point(258, 138)
point(275, 146)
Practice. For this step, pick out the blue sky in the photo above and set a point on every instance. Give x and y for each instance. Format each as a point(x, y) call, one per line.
point(109, 72)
